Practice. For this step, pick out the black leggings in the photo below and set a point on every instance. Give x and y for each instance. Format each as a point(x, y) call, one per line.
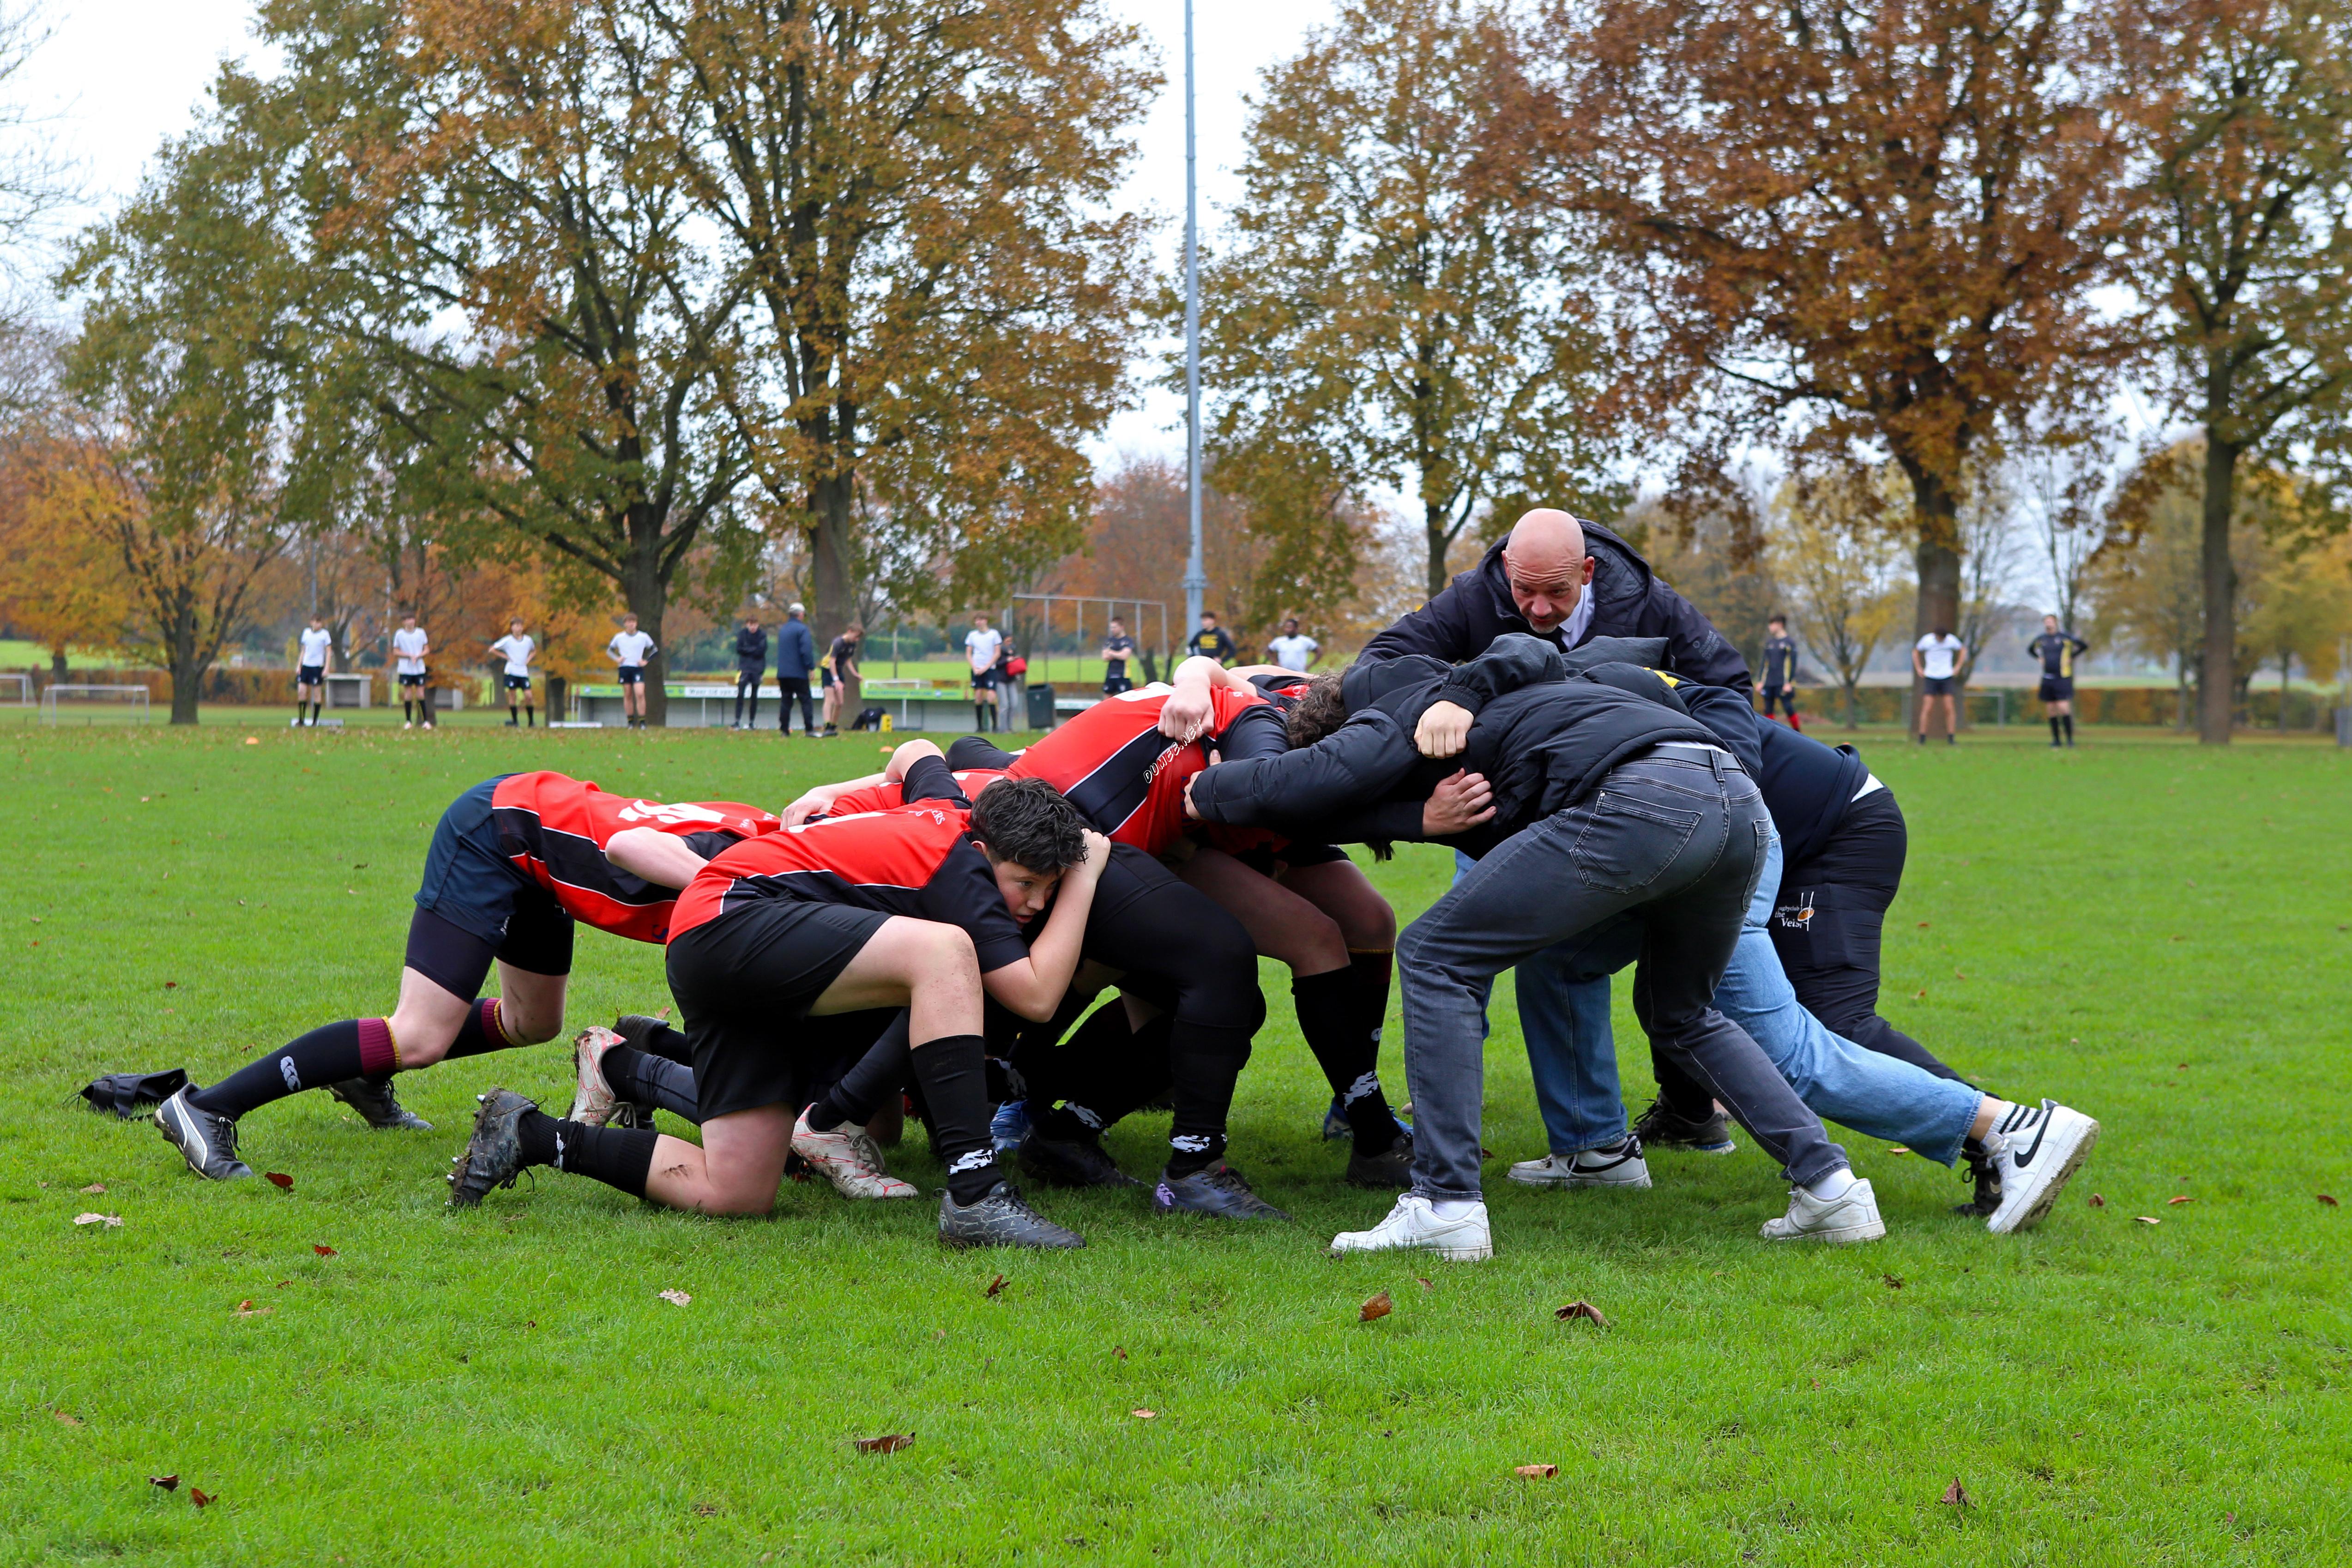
point(1832, 954)
point(747, 684)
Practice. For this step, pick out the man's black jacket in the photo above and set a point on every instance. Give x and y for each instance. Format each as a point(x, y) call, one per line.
point(1628, 601)
point(750, 649)
point(1543, 737)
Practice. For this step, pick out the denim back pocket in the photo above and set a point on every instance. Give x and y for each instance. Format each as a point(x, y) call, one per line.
point(1626, 843)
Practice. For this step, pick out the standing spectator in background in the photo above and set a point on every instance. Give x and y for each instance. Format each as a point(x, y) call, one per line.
point(1292, 649)
point(1779, 682)
point(1211, 641)
point(2057, 650)
point(409, 647)
point(519, 650)
point(840, 667)
point(1012, 675)
point(630, 650)
point(1938, 659)
point(980, 646)
point(795, 662)
point(310, 671)
point(751, 668)
point(1117, 647)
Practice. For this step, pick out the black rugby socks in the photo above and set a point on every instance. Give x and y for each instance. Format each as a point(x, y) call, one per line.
point(355, 1047)
point(1331, 1017)
point(619, 1157)
point(953, 1075)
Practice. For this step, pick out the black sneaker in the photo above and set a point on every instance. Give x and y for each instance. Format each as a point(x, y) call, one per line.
point(208, 1141)
point(1071, 1162)
point(1661, 1128)
point(1000, 1218)
point(377, 1105)
point(1216, 1190)
point(1983, 1172)
point(1390, 1169)
point(493, 1155)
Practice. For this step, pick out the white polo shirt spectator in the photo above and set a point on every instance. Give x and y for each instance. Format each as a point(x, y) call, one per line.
point(409, 644)
point(980, 645)
point(631, 649)
point(1939, 656)
point(316, 643)
point(1295, 652)
point(517, 646)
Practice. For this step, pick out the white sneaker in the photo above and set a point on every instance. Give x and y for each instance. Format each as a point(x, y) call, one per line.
point(849, 1160)
point(1620, 1167)
point(1414, 1225)
point(1850, 1216)
point(593, 1099)
point(2035, 1153)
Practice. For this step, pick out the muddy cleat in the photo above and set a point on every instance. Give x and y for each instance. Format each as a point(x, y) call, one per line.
point(1000, 1218)
point(849, 1160)
point(1216, 1190)
point(1071, 1162)
point(493, 1155)
point(594, 1103)
point(1661, 1128)
point(1389, 1170)
point(2035, 1152)
point(378, 1106)
point(1620, 1167)
point(1850, 1216)
point(208, 1141)
point(1414, 1226)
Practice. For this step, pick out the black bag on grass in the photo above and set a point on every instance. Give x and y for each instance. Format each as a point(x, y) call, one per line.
point(867, 719)
point(127, 1094)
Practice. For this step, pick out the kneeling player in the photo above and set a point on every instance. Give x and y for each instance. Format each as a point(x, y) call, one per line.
point(891, 910)
point(513, 863)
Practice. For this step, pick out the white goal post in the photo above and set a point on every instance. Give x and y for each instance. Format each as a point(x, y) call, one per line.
point(23, 685)
point(131, 699)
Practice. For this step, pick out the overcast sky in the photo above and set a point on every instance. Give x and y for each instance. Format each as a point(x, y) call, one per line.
point(117, 77)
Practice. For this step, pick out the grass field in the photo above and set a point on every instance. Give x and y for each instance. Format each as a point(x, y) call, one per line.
point(2151, 933)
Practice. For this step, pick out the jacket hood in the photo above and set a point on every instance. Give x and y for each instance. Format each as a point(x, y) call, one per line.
point(1620, 585)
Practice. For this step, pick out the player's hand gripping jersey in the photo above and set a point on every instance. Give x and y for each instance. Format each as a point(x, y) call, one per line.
point(553, 828)
point(1128, 778)
point(913, 861)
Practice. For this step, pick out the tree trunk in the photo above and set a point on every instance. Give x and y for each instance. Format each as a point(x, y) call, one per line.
point(2216, 686)
point(187, 673)
point(1433, 523)
point(832, 599)
point(1938, 562)
point(646, 594)
point(57, 675)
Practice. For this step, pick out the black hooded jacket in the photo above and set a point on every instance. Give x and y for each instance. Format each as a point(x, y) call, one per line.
point(1543, 737)
point(1628, 601)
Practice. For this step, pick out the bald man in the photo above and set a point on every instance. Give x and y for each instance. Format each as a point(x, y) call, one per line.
point(1568, 582)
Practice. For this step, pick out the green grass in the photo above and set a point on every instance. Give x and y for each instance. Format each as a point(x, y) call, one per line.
point(2152, 933)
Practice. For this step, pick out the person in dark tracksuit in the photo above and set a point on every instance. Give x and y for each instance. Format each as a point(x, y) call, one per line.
point(1778, 686)
point(751, 668)
point(795, 662)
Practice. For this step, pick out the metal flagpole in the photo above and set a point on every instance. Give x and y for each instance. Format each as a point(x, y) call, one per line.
point(1196, 576)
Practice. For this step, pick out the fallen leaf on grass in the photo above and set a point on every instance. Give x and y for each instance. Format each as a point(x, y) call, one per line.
point(1535, 1472)
point(1119, 1350)
point(251, 742)
point(280, 1180)
point(1145, 1415)
point(2097, 1202)
point(1922, 996)
point(169, 1483)
point(888, 1443)
point(68, 1420)
point(995, 1288)
point(1922, 925)
point(1892, 1283)
point(2331, 1203)
point(246, 1309)
point(1955, 1494)
point(2184, 1198)
point(705, 1510)
point(109, 1220)
point(675, 1297)
point(1379, 1306)
point(200, 1497)
point(1898, 1149)
point(1957, 975)
point(1424, 1284)
point(171, 985)
point(95, 1187)
point(322, 1249)
point(1575, 1310)
point(2146, 1220)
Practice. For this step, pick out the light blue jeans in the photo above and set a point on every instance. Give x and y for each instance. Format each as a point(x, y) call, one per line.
point(1572, 1053)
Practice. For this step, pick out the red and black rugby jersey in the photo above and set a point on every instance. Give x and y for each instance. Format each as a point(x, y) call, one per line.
point(890, 796)
point(554, 827)
point(1127, 778)
point(912, 861)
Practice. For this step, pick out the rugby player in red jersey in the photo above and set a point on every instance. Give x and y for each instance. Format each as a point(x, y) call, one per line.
point(920, 908)
point(1125, 762)
point(514, 863)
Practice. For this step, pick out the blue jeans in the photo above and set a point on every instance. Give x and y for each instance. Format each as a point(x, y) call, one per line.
point(1881, 1097)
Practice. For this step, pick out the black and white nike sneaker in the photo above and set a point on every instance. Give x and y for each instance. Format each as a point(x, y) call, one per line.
point(2035, 1151)
point(207, 1140)
point(1619, 1166)
point(378, 1106)
point(999, 1217)
point(493, 1155)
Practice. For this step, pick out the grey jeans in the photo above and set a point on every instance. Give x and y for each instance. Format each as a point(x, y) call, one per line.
point(1678, 833)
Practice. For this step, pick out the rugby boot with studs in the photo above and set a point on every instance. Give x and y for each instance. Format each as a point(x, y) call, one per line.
point(207, 1140)
point(493, 1155)
point(378, 1106)
point(1000, 1217)
point(1216, 1190)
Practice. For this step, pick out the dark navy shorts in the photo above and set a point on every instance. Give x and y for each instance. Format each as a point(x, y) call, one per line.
point(1938, 685)
point(518, 683)
point(482, 906)
point(2057, 689)
point(312, 675)
point(632, 674)
point(411, 679)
